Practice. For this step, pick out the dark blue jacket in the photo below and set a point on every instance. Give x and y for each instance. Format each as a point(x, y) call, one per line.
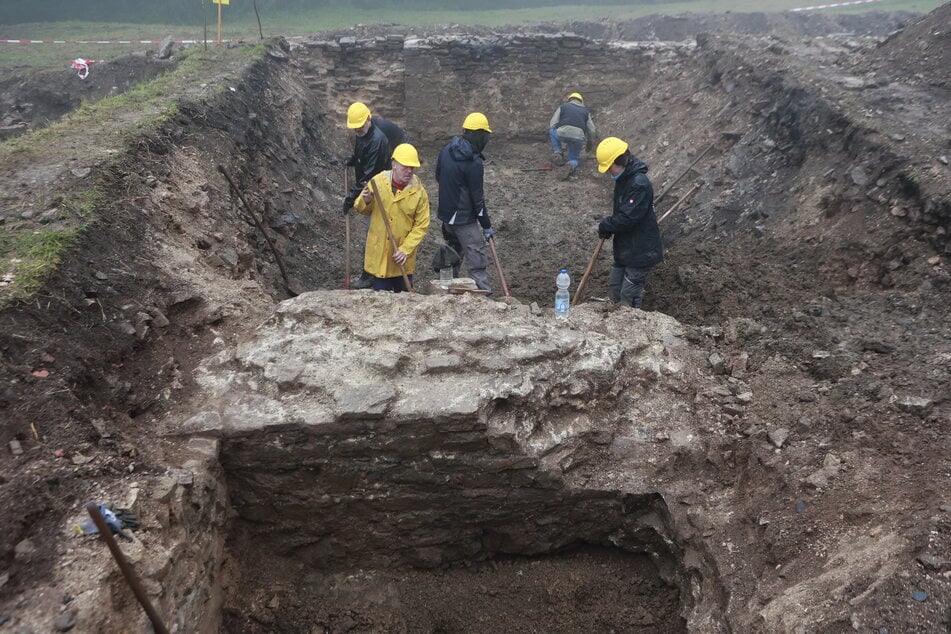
point(633, 222)
point(459, 173)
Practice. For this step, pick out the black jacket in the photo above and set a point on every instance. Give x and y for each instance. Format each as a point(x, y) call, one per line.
point(394, 134)
point(371, 154)
point(636, 235)
point(459, 173)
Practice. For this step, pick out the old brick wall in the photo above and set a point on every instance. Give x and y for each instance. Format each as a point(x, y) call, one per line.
point(429, 84)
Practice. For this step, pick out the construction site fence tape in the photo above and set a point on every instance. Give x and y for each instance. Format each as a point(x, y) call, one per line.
point(110, 41)
point(816, 7)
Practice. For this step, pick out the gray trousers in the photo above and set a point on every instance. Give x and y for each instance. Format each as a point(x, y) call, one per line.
point(468, 241)
point(627, 285)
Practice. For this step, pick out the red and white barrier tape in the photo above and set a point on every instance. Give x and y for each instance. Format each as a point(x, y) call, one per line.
point(103, 41)
point(833, 5)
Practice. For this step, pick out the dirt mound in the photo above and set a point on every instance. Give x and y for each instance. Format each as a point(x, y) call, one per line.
point(919, 53)
point(38, 99)
point(689, 25)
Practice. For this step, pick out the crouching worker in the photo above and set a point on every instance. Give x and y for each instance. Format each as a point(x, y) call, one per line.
point(637, 245)
point(406, 205)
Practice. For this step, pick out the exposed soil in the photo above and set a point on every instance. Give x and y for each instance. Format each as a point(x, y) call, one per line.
point(810, 268)
point(591, 588)
point(33, 100)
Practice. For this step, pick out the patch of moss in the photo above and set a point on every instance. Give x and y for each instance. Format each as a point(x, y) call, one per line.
point(27, 257)
point(910, 180)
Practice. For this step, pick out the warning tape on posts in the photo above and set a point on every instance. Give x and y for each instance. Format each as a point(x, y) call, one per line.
point(105, 41)
point(832, 6)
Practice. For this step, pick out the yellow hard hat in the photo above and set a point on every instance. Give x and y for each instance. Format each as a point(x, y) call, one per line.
point(406, 155)
point(608, 150)
point(576, 95)
point(476, 121)
point(357, 115)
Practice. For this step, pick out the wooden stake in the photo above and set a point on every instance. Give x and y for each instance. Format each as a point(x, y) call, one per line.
point(219, 23)
point(389, 230)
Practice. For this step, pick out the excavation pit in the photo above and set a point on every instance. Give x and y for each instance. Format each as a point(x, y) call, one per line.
point(466, 483)
point(402, 549)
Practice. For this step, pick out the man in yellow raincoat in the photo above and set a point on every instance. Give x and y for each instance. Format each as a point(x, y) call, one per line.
point(406, 204)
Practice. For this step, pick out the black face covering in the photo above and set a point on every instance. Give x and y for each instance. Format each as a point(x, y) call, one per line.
point(478, 139)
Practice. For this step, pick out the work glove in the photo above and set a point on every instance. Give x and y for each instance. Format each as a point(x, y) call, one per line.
point(128, 519)
point(488, 233)
point(348, 204)
point(604, 235)
point(118, 520)
point(350, 161)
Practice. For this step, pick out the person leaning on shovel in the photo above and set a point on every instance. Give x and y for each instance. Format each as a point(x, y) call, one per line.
point(406, 205)
point(371, 155)
point(637, 245)
point(466, 225)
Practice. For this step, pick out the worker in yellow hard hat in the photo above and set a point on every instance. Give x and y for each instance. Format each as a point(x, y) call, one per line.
point(632, 223)
point(406, 205)
point(466, 225)
point(371, 155)
point(571, 127)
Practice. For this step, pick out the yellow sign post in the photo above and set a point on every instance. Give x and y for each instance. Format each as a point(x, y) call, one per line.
point(219, 3)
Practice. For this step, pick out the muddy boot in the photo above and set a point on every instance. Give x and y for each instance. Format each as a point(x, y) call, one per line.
point(365, 281)
point(558, 159)
point(571, 173)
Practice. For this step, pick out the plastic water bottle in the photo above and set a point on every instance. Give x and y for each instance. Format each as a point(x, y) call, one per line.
point(562, 299)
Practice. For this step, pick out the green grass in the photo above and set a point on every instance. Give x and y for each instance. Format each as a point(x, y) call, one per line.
point(331, 17)
point(28, 257)
point(94, 132)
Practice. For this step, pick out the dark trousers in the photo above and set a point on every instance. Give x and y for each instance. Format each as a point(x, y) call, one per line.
point(469, 242)
point(393, 284)
point(627, 285)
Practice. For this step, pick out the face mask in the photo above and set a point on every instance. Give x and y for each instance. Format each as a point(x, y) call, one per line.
point(478, 138)
point(617, 176)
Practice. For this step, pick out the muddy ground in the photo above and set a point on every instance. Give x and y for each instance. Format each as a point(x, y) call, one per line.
point(810, 267)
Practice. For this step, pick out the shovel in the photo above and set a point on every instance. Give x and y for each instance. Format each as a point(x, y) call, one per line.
point(389, 230)
point(346, 250)
point(587, 272)
point(498, 267)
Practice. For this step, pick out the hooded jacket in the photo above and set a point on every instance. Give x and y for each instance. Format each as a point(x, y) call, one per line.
point(633, 222)
point(394, 134)
point(459, 173)
point(371, 153)
point(408, 213)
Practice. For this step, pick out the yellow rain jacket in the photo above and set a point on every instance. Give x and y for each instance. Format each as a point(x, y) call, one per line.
point(408, 212)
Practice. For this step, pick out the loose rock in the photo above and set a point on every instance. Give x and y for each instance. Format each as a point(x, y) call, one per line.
point(65, 621)
point(777, 436)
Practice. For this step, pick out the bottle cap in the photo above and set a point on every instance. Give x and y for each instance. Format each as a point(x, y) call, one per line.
point(564, 270)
